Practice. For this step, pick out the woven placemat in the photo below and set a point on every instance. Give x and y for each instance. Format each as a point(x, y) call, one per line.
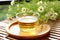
point(54, 33)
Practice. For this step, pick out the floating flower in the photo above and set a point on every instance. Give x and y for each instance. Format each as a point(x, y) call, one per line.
point(40, 2)
point(12, 2)
point(41, 9)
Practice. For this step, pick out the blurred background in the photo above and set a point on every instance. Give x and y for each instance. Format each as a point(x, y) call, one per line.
point(4, 5)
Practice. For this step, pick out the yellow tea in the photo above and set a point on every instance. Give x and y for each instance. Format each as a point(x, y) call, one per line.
point(28, 23)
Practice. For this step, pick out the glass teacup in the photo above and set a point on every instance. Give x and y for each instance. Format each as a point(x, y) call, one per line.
point(27, 23)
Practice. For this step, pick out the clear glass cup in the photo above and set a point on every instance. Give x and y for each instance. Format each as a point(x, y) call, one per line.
point(27, 22)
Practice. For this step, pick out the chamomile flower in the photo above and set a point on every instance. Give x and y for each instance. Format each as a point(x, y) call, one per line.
point(9, 17)
point(52, 14)
point(41, 9)
point(9, 8)
point(47, 15)
point(30, 10)
point(12, 2)
point(40, 2)
point(53, 17)
point(18, 6)
point(36, 14)
point(56, 14)
point(24, 9)
point(53, 3)
point(45, 3)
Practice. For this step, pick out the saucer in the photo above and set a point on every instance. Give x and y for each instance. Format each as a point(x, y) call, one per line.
point(14, 31)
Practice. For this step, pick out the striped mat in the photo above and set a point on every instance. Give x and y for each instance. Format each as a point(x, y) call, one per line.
point(54, 34)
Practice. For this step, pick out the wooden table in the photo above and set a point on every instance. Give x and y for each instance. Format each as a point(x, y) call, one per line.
point(54, 33)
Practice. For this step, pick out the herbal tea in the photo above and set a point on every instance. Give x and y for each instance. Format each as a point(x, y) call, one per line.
point(28, 23)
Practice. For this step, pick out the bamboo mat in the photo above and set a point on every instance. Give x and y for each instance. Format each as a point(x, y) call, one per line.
point(53, 35)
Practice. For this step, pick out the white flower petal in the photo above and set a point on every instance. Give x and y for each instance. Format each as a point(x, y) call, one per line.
point(53, 17)
point(47, 15)
point(12, 2)
point(45, 3)
point(56, 13)
point(17, 5)
point(9, 8)
point(23, 9)
point(40, 2)
point(41, 9)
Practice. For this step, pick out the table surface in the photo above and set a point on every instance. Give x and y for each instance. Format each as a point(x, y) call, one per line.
point(53, 35)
